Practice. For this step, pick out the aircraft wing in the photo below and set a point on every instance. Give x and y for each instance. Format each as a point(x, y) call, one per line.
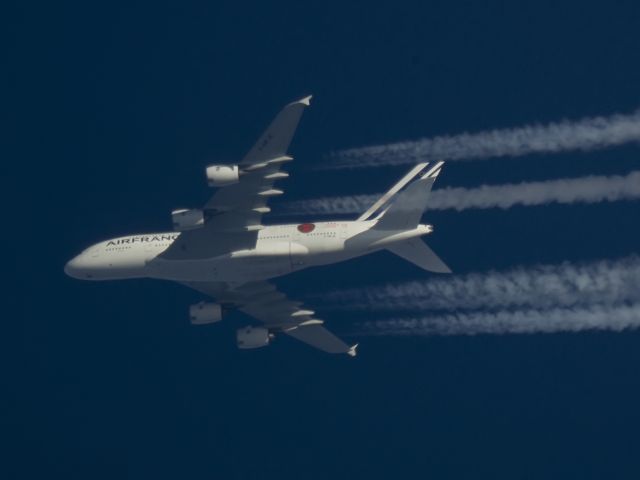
point(263, 301)
point(241, 205)
point(233, 214)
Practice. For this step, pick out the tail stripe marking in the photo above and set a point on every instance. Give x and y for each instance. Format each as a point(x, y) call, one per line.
point(395, 189)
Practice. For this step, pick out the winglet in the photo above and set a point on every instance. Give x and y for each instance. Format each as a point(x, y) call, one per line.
point(352, 350)
point(305, 101)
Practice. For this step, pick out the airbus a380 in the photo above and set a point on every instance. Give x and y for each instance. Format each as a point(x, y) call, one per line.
point(225, 251)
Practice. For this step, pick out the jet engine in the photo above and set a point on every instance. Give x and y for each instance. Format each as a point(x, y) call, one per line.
point(253, 337)
point(187, 219)
point(222, 175)
point(203, 313)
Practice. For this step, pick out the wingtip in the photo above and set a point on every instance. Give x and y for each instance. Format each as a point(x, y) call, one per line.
point(306, 101)
point(352, 350)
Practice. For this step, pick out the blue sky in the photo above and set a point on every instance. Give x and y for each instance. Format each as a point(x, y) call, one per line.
point(117, 110)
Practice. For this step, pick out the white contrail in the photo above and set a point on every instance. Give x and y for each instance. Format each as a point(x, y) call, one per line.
point(615, 318)
point(590, 189)
point(604, 282)
point(586, 134)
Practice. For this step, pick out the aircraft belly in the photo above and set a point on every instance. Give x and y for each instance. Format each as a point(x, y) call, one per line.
point(269, 260)
point(259, 267)
point(328, 251)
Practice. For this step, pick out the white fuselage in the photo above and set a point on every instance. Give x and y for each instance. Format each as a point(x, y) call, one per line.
point(279, 250)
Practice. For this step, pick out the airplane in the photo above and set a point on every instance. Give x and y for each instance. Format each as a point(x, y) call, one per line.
point(225, 251)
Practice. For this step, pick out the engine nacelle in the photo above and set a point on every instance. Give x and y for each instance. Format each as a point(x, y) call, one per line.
point(253, 337)
point(222, 175)
point(187, 219)
point(204, 313)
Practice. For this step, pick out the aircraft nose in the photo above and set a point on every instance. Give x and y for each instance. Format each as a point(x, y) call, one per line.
point(72, 268)
point(80, 267)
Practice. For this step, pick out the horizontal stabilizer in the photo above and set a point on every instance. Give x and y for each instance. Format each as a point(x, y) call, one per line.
point(418, 253)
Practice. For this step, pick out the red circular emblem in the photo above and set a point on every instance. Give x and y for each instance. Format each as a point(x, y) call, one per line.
point(306, 227)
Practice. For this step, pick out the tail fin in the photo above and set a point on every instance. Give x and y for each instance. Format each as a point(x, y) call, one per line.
point(401, 207)
point(384, 200)
point(418, 253)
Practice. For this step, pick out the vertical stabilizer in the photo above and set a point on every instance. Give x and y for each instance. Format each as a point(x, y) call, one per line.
point(404, 210)
point(384, 200)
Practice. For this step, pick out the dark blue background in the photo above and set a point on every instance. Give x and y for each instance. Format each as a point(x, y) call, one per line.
point(114, 113)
